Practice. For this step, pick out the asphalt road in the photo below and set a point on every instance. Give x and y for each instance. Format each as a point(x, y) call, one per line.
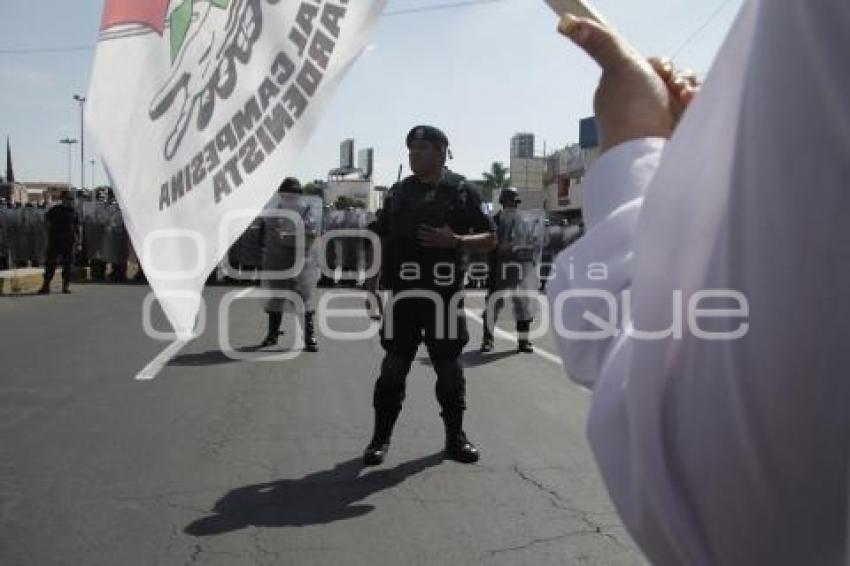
point(217, 461)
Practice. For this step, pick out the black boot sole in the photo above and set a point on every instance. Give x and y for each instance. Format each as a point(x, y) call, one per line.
point(374, 457)
point(463, 457)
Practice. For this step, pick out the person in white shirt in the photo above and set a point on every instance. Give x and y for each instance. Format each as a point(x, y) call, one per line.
point(707, 305)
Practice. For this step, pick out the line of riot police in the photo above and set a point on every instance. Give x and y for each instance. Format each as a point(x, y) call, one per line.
point(106, 249)
point(91, 233)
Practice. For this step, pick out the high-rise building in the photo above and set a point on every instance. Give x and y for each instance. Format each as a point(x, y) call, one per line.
point(567, 167)
point(522, 145)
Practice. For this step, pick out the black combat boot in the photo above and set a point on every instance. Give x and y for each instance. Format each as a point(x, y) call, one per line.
point(487, 339)
point(524, 345)
point(486, 342)
point(380, 443)
point(458, 447)
point(45, 288)
point(310, 342)
point(275, 319)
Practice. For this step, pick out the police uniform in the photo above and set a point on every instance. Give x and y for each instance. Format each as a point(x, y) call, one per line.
point(62, 226)
point(510, 269)
point(408, 322)
point(279, 254)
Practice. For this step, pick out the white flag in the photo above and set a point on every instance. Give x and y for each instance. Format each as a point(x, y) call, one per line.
point(199, 108)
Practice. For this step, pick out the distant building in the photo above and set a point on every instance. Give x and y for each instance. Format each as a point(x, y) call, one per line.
point(522, 145)
point(568, 166)
point(32, 193)
point(49, 192)
point(353, 182)
point(14, 193)
point(588, 133)
point(358, 189)
point(528, 174)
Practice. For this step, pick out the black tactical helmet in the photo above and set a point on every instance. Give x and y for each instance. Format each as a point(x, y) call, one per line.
point(428, 133)
point(290, 185)
point(509, 194)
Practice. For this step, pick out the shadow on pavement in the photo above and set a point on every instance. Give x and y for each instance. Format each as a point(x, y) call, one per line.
point(474, 358)
point(211, 358)
point(316, 499)
point(217, 357)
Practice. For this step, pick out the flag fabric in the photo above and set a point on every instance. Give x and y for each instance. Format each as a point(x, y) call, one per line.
point(199, 108)
point(150, 13)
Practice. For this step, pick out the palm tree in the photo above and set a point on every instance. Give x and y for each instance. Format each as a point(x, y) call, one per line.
point(496, 178)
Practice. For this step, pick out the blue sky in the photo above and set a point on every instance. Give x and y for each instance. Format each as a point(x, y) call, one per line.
point(481, 73)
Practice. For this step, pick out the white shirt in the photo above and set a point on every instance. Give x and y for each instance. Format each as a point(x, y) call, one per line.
point(728, 452)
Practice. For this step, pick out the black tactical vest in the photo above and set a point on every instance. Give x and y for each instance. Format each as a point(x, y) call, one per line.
point(413, 204)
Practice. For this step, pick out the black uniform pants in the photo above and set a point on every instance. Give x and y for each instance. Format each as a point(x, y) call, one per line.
point(55, 250)
point(407, 323)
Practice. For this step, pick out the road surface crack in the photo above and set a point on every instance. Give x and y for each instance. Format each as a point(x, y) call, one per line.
point(538, 541)
point(560, 503)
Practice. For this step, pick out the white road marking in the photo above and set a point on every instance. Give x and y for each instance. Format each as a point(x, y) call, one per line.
point(504, 334)
point(152, 369)
point(244, 293)
point(501, 333)
point(157, 364)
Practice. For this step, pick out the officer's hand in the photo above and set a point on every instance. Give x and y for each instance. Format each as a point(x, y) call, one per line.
point(443, 237)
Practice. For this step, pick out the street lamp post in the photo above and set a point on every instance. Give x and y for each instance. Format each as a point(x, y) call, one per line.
point(93, 185)
point(69, 142)
point(82, 101)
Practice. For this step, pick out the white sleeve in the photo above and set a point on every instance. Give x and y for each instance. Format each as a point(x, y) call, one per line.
point(727, 441)
point(590, 275)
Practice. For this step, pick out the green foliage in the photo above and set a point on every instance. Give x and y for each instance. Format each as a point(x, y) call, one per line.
point(497, 177)
point(344, 203)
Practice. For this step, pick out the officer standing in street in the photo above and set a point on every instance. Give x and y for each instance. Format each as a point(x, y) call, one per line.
point(428, 220)
point(63, 239)
point(279, 254)
point(512, 266)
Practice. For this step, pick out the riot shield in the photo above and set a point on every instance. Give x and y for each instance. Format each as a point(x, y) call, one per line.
point(250, 247)
point(334, 221)
point(559, 236)
point(283, 240)
point(354, 255)
point(13, 236)
point(94, 218)
point(521, 234)
point(116, 242)
point(5, 244)
point(31, 237)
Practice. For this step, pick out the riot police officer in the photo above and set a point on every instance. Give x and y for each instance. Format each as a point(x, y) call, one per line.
point(279, 254)
point(63, 239)
point(428, 220)
point(512, 267)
